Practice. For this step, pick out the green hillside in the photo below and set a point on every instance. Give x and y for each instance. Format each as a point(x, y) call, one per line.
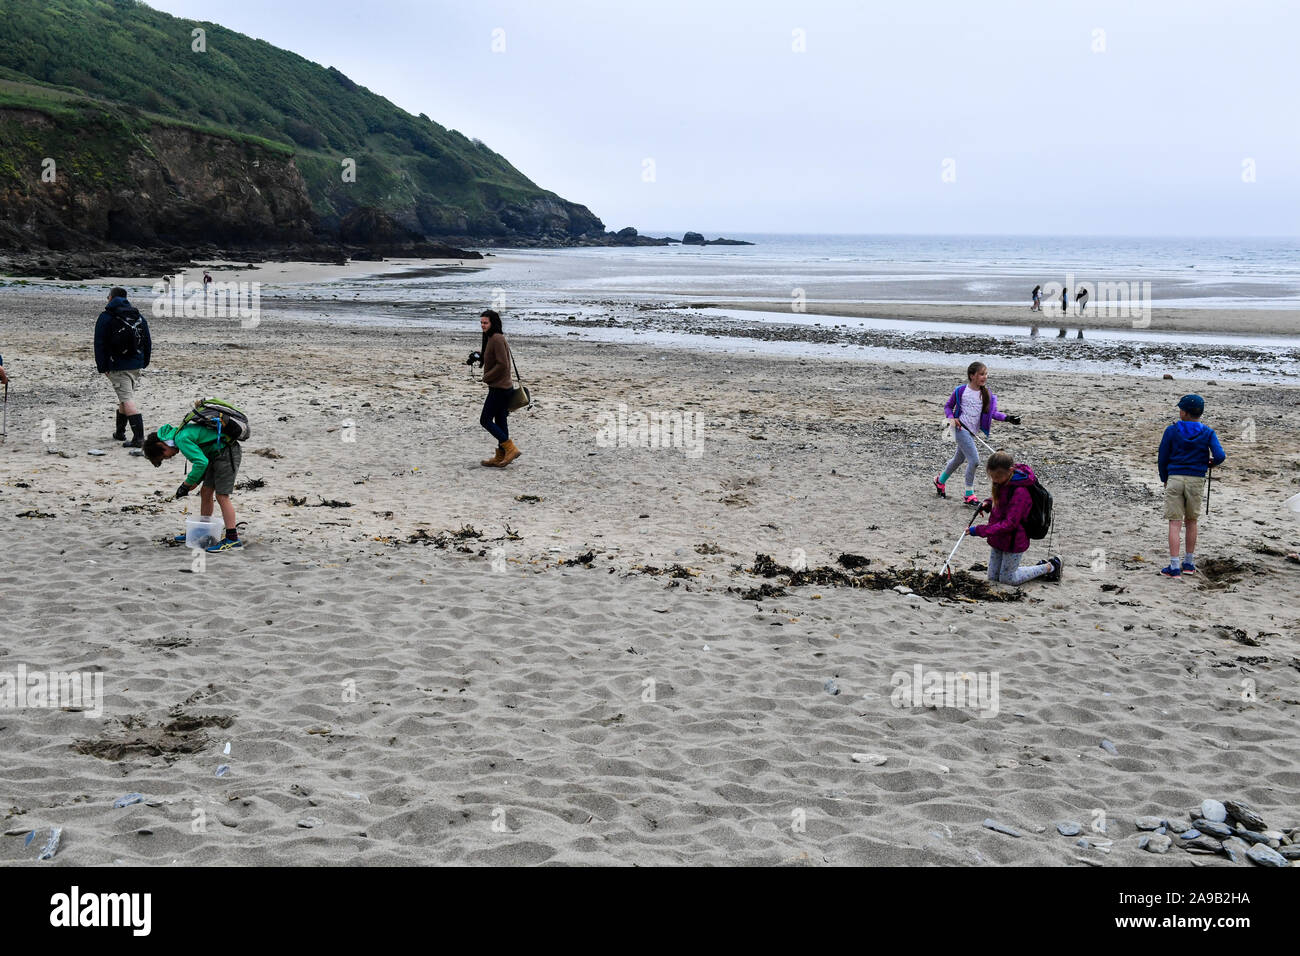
point(432, 180)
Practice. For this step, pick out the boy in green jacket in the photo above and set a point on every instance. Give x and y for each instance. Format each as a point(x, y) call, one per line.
point(215, 464)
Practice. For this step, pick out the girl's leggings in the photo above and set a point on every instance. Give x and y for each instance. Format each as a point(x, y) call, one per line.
point(967, 452)
point(1004, 568)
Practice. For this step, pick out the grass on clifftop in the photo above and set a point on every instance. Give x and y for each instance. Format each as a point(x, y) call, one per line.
point(123, 52)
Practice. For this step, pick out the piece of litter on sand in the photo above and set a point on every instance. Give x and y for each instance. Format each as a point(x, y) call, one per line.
point(96, 452)
point(932, 765)
point(310, 823)
point(52, 844)
point(999, 828)
point(30, 837)
point(227, 750)
point(1109, 747)
point(127, 800)
point(874, 760)
point(831, 687)
point(706, 647)
point(223, 770)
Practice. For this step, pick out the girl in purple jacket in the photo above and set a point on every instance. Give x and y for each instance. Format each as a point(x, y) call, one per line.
point(970, 407)
point(1007, 538)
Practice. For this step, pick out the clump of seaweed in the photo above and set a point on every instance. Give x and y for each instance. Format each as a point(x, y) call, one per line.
point(961, 584)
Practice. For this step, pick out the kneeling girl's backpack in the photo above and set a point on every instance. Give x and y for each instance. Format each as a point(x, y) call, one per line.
point(1038, 523)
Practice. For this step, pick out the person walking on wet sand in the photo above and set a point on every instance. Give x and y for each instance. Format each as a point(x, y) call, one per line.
point(122, 349)
point(1188, 450)
point(494, 357)
point(1038, 299)
point(1081, 303)
point(1065, 301)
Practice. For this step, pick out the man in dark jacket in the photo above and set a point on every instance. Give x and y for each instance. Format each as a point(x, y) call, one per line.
point(122, 349)
point(1188, 449)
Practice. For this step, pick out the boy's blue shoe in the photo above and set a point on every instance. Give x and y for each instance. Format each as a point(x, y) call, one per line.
point(226, 545)
point(1189, 567)
point(179, 539)
point(1166, 571)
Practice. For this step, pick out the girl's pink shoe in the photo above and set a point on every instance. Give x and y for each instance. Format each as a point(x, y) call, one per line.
point(940, 487)
point(971, 500)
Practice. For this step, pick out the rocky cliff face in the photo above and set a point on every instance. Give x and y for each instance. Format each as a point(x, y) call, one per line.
point(115, 183)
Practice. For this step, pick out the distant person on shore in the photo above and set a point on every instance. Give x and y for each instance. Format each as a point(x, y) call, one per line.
point(122, 349)
point(1005, 532)
point(1081, 302)
point(1038, 299)
point(971, 407)
point(1065, 301)
point(1187, 450)
point(494, 357)
point(207, 281)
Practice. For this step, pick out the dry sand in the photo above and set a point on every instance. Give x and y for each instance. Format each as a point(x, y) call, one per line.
point(419, 706)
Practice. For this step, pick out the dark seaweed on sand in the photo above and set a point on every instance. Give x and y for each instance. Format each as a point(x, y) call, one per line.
point(925, 583)
point(673, 571)
point(582, 560)
point(445, 539)
point(757, 594)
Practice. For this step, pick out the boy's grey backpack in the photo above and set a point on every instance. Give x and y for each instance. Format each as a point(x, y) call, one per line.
point(228, 421)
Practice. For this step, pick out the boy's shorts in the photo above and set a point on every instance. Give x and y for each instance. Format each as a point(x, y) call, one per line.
point(1183, 497)
point(222, 469)
point(125, 383)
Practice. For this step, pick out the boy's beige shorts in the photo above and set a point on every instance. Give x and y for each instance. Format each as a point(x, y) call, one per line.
point(1183, 497)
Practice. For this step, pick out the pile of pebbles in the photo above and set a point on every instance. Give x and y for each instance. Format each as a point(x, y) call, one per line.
point(1229, 828)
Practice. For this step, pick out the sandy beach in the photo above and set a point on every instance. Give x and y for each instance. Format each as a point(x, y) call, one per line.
point(574, 661)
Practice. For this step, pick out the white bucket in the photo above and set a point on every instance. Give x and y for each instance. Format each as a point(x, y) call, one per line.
point(1293, 503)
point(201, 532)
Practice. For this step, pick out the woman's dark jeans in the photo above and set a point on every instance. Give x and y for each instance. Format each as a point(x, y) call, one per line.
point(496, 408)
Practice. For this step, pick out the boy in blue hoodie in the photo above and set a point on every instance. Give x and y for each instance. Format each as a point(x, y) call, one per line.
point(1187, 450)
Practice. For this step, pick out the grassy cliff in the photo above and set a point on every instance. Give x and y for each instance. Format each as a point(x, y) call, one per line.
point(79, 61)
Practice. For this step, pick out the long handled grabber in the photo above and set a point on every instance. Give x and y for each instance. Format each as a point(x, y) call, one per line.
point(1209, 486)
point(5, 430)
point(975, 435)
point(947, 565)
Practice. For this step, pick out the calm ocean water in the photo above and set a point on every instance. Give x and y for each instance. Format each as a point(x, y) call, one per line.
point(1195, 273)
point(1270, 258)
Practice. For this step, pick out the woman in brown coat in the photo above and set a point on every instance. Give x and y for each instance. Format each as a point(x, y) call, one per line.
point(494, 355)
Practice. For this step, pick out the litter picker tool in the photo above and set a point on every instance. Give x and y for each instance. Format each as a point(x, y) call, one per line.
point(1209, 486)
point(975, 435)
point(5, 431)
point(947, 565)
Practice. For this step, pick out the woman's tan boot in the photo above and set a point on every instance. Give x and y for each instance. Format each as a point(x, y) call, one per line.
point(495, 460)
point(511, 453)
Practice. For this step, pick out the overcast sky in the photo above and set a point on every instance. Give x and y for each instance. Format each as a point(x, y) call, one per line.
point(1147, 128)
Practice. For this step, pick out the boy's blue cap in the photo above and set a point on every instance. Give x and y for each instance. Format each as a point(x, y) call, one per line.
point(1192, 404)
